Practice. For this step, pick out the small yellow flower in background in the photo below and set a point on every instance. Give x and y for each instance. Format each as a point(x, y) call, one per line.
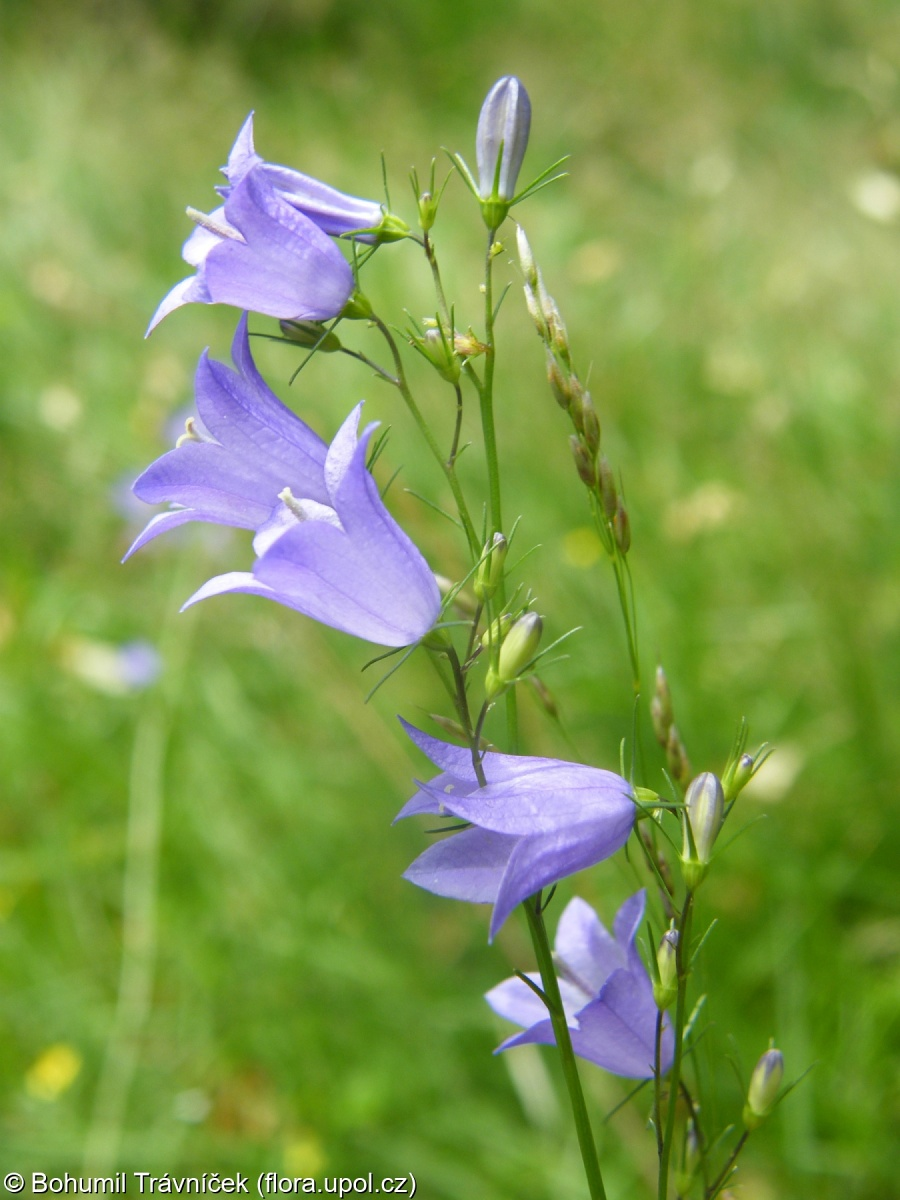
point(53, 1072)
point(582, 547)
point(304, 1155)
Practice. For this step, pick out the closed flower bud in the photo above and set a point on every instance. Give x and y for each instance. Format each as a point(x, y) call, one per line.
point(583, 462)
point(705, 805)
point(439, 350)
point(665, 987)
point(500, 142)
point(357, 308)
point(489, 571)
point(519, 647)
point(737, 775)
point(427, 211)
point(312, 334)
point(765, 1084)
point(526, 259)
point(390, 228)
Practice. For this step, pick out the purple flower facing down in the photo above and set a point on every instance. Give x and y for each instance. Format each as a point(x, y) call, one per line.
point(537, 821)
point(346, 563)
point(326, 544)
point(259, 252)
point(244, 448)
point(606, 992)
point(334, 212)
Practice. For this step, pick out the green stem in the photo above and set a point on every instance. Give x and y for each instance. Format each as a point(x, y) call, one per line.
point(682, 952)
point(486, 393)
point(428, 246)
point(447, 468)
point(550, 985)
point(722, 1178)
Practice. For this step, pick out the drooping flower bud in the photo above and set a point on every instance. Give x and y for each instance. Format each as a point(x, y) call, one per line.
point(705, 805)
point(665, 988)
point(489, 571)
point(500, 141)
point(765, 1084)
point(312, 334)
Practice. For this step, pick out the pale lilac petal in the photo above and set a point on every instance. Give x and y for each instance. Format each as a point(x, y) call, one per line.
point(585, 948)
point(330, 578)
point(208, 478)
point(188, 291)
point(242, 413)
point(286, 266)
point(457, 760)
point(548, 799)
point(503, 126)
point(334, 212)
point(161, 523)
point(617, 1031)
point(232, 581)
point(368, 576)
point(243, 156)
point(281, 520)
point(201, 241)
point(464, 866)
point(342, 450)
point(516, 1002)
point(625, 927)
point(540, 860)
point(430, 797)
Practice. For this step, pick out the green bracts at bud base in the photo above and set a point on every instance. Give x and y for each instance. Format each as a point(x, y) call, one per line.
point(358, 308)
point(765, 1084)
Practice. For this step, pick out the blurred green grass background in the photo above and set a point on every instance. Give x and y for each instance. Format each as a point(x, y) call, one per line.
point(726, 252)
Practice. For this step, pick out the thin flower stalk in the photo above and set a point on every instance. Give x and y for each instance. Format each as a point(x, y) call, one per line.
point(682, 951)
